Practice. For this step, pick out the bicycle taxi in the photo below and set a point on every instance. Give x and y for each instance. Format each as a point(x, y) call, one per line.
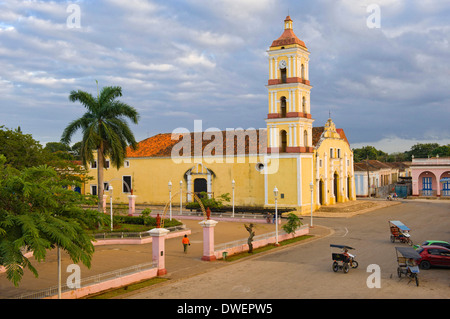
point(400, 232)
point(407, 265)
point(343, 260)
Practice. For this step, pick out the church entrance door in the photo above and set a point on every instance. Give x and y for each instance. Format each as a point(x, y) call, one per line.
point(200, 185)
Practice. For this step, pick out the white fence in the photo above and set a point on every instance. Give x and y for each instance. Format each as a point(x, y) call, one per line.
point(85, 282)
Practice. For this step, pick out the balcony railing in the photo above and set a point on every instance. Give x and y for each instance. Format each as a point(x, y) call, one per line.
point(427, 192)
point(431, 161)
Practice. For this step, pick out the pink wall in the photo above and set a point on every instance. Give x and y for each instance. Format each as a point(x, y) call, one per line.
point(435, 173)
point(113, 283)
point(261, 243)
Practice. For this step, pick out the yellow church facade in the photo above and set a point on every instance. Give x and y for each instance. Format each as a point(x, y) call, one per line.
point(308, 165)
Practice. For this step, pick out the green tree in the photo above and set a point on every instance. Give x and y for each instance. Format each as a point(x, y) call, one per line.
point(370, 152)
point(293, 222)
point(104, 129)
point(422, 150)
point(21, 149)
point(37, 213)
point(443, 150)
point(54, 147)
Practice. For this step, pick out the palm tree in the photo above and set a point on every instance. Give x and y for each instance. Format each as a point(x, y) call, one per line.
point(104, 128)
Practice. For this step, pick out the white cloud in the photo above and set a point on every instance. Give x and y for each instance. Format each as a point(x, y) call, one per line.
point(195, 59)
point(163, 67)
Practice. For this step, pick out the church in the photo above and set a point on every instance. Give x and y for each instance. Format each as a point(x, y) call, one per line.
point(309, 166)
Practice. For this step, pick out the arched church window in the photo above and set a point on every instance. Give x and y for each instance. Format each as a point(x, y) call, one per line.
point(305, 138)
point(283, 137)
point(303, 71)
point(283, 107)
point(283, 75)
point(304, 105)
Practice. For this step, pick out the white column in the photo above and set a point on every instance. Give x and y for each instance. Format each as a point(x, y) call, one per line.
point(290, 99)
point(290, 135)
point(275, 136)
point(293, 100)
point(275, 69)
point(301, 136)
point(270, 102)
point(295, 135)
point(270, 68)
point(269, 136)
point(308, 105)
point(310, 136)
point(208, 184)
point(289, 64)
point(307, 69)
point(189, 187)
point(295, 65)
point(274, 100)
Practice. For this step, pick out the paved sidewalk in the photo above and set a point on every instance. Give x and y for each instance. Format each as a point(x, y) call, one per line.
point(179, 265)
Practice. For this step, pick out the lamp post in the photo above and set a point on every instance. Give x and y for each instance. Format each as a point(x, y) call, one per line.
point(232, 186)
point(275, 194)
point(181, 197)
point(110, 204)
point(170, 200)
point(311, 186)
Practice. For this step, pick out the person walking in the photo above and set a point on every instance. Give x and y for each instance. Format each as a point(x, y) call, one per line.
point(186, 243)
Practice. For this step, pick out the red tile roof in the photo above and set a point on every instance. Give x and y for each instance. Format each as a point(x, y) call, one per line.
point(288, 37)
point(373, 165)
point(161, 145)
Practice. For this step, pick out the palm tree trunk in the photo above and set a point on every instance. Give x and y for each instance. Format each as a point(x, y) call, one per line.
point(100, 186)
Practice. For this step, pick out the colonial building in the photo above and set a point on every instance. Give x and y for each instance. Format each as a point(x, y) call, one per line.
point(431, 176)
point(308, 165)
point(373, 174)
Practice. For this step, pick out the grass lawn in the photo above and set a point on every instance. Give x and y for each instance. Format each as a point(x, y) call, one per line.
point(126, 289)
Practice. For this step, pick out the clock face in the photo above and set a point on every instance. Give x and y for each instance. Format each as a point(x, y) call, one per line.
point(282, 64)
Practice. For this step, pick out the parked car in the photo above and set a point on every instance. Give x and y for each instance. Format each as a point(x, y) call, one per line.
point(433, 256)
point(434, 243)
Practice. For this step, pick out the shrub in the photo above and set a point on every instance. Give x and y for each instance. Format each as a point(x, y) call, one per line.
point(293, 222)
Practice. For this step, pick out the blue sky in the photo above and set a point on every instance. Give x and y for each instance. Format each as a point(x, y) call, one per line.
point(180, 61)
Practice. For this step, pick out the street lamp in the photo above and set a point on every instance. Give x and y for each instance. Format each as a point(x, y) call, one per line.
point(181, 197)
point(110, 204)
point(275, 194)
point(232, 186)
point(311, 186)
point(170, 200)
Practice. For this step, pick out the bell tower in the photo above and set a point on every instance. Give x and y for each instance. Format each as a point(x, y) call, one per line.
point(289, 122)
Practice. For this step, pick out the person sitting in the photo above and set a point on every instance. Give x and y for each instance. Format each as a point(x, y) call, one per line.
point(347, 256)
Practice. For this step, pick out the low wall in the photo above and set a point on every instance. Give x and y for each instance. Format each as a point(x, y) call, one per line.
point(304, 230)
point(106, 285)
point(138, 241)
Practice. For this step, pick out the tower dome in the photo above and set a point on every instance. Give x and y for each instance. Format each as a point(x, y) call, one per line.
point(288, 37)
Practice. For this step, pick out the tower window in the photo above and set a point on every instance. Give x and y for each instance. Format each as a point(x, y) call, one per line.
point(303, 71)
point(283, 75)
point(283, 107)
point(305, 138)
point(283, 136)
point(304, 105)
